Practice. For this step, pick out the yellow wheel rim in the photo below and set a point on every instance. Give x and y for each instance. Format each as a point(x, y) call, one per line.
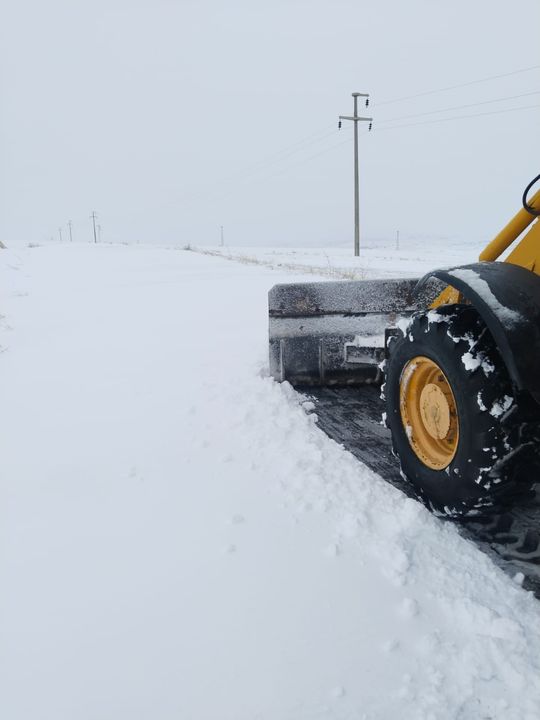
point(429, 412)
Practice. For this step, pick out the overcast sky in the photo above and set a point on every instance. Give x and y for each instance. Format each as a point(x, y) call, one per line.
point(170, 118)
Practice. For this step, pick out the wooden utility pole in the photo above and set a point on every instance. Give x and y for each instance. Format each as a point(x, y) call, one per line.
point(356, 119)
point(60, 233)
point(93, 217)
point(70, 232)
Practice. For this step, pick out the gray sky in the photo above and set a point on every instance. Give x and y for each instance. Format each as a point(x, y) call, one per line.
point(173, 117)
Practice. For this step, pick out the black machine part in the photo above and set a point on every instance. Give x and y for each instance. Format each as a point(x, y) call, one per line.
point(497, 453)
point(524, 202)
point(332, 333)
point(507, 297)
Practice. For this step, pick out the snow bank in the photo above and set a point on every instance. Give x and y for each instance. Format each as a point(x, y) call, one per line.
point(181, 541)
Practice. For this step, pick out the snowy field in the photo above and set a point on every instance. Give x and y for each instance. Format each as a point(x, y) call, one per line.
point(179, 540)
point(408, 257)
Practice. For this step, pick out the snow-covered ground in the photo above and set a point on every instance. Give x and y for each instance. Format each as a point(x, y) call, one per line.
point(179, 540)
point(409, 257)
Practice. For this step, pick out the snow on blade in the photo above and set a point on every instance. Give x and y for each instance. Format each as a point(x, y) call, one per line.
point(482, 288)
point(367, 341)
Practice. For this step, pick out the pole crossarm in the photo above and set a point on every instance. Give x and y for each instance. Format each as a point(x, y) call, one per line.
point(355, 119)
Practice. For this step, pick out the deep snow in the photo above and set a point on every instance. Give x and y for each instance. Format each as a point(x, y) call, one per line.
point(180, 540)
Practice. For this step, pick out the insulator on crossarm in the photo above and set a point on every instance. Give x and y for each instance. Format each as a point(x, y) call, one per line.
point(370, 126)
point(367, 102)
point(339, 125)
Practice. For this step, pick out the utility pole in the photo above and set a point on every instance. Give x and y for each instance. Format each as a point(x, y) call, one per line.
point(222, 241)
point(93, 217)
point(99, 232)
point(397, 239)
point(60, 233)
point(70, 232)
point(356, 119)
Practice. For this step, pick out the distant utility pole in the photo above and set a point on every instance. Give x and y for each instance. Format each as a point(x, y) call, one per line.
point(221, 241)
point(397, 239)
point(99, 232)
point(70, 232)
point(356, 119)
point(60, 233)
point(93, 217)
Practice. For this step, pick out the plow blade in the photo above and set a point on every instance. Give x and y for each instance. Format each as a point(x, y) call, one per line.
point(333, 333)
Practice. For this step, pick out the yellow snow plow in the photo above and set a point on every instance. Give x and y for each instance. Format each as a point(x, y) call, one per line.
point(455, 353)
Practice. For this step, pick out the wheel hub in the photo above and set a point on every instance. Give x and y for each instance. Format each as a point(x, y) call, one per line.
point(435, 411)
point(429, 412)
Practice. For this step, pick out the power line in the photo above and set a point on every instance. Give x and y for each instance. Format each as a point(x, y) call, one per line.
point(460, 107)
point(455, 87)
point(309, 158)
point(456, 117)
point(272, 160)
point(324, 132)
point(394, 127)
point(316, 155)
point(265, 163)
point(278, 157)
point(260, 166)
point(299, 146)
point(293, 147)
point(221, 192)
point(280, 171)
point(290, 150)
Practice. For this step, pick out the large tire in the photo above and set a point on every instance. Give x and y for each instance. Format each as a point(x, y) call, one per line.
point(496, 453)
